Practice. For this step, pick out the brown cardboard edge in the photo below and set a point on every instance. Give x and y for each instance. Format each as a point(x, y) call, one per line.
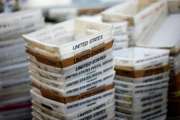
point(141, 73)
point(54, 95)
point(53, 61)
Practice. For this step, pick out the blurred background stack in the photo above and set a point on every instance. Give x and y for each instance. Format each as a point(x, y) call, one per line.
point(142, 16)
point(15, 81)
point(171, 42)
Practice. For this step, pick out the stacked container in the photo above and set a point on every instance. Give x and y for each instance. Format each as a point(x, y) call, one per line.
point(72, 72)
point(169, 41)
point(143, 17)
point(14, 79)
point(141, 83)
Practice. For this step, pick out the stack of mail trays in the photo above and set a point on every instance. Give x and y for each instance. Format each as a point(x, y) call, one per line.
point(14, 79)
point(142, 18)
point(72, 73)
point(169, 41)
point(141, 83)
